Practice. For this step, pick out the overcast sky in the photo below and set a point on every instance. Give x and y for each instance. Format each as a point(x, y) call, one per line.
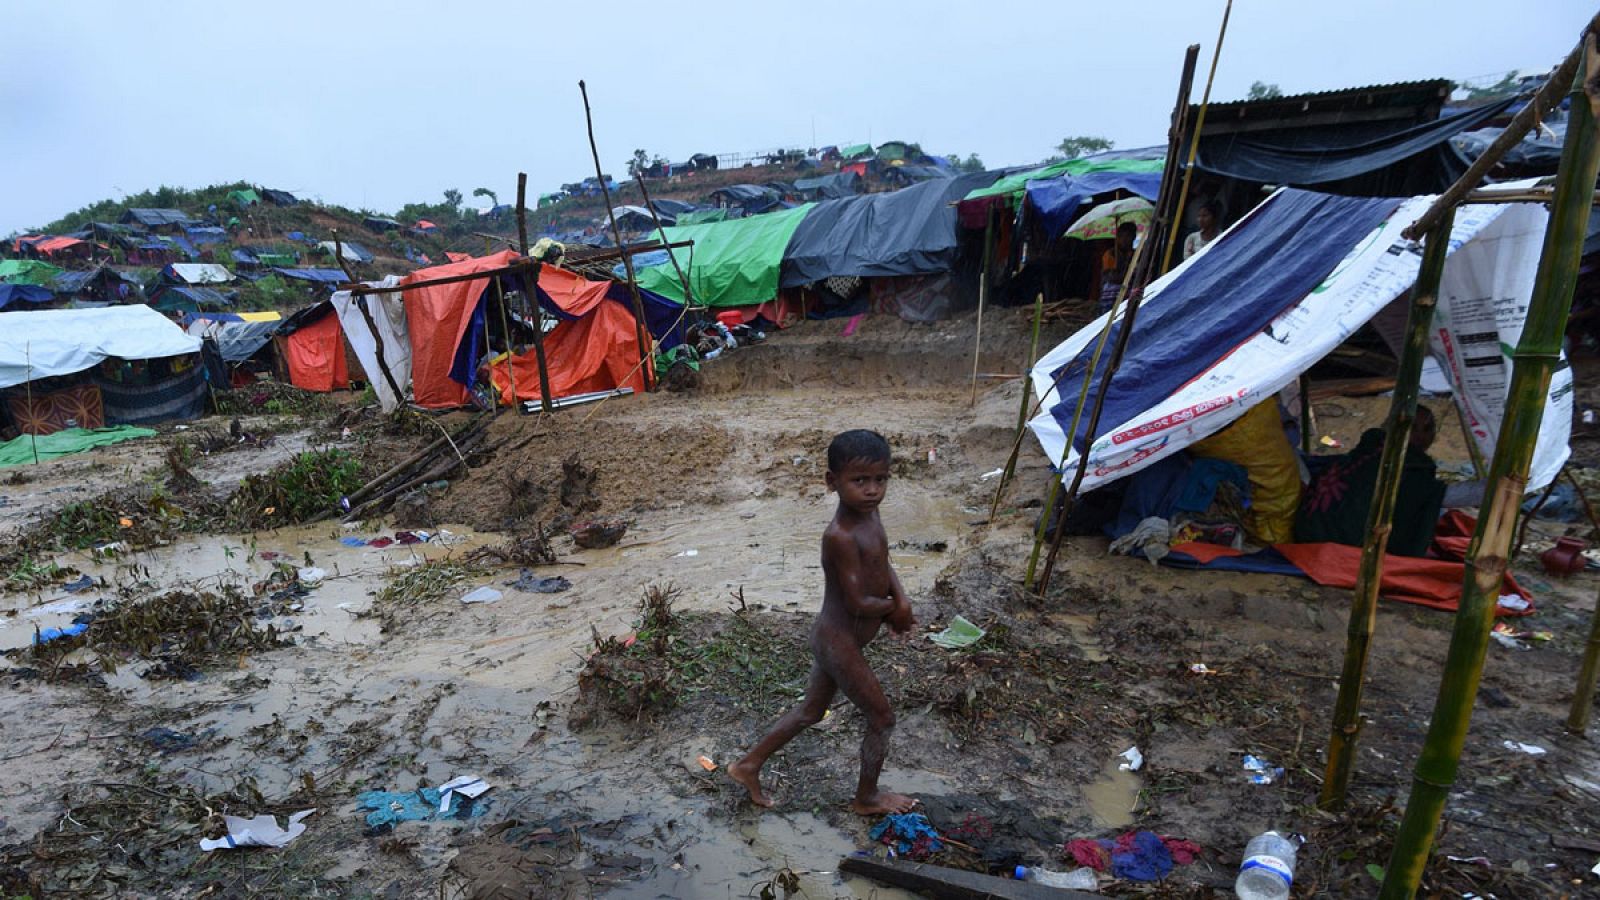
point(379, 104)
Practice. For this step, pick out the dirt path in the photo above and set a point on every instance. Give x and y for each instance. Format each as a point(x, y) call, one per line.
point(723, 492)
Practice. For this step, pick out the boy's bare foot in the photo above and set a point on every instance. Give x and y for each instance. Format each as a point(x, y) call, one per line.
point(751, 779)
point(881, 803)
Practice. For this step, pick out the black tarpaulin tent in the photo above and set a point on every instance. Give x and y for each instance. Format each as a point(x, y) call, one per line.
point(908, 232)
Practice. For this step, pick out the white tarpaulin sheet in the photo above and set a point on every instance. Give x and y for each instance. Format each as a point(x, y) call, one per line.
point(201, 273)
point(48, 342)
point(388, 313)
point(1483, 299)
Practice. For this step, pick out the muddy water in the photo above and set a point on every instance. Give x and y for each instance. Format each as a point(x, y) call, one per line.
point(455, 689)
point(1111, 797)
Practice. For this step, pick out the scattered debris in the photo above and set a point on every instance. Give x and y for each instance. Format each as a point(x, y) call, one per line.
point(1530, 749)
point(483, 594)
point(261, 831)
point(599, 534)
point(536, 584)
point(1135, 760)
point(1260, 771)
point(958, 634)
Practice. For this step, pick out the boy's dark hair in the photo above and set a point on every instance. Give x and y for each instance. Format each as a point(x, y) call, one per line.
point(859, 443)
point(1213, 207)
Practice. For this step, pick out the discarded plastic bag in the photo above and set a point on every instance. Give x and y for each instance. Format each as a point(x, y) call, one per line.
point(535, 584)
point(261, 831)
point(484, 594)
point(1259, 771)
point(959, 633)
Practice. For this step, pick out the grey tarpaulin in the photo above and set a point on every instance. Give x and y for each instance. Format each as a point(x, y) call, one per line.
point(907, 232)
point(1309, 156)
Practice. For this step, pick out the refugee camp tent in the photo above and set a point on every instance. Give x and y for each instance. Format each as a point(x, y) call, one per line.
point(158, 219)
point(19, 295)
point(704, 216)
point(315, 276)
point(908, 232)
point(732, 263)
point(377, 223)
point(828, 187)
point(635, 218)
point(206, 234)
point(238, 341)
point(157, 382)
point(424, 225)
point(187, 298)
point(752, 198)
point(57, 247)
point(673, 208)
point(353, 252)
point(28, 271)
point(904, 175)
point(1056, 201)
point(196, 273)
point(103, 284)
point(1011, 186)
point(279, 198)
point(593, 347)
point(243, 198)
point(312, 347)
point(889, 151)
point(1279, 290)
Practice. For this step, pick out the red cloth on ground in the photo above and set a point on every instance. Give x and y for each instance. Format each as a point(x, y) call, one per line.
point(1434, 583)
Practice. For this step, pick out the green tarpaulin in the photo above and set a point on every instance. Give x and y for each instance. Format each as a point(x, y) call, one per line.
point(855, 150)
point(732, 263)
point(65, 442)
point(28, 271)
point(702, 216)
point(285, 260)
point(1014, 184)
point(243, 198)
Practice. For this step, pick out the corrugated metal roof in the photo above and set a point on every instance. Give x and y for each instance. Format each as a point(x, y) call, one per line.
point(1442, 86)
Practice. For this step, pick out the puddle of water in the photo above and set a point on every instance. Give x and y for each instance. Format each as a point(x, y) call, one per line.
point(1111, 799)
point(328, 614)
point(1081, 627)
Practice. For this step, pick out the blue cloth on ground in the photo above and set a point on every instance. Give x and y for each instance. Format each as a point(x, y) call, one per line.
point(1147, 860)
point(46, 635)
point(390, 808)
point(908, 833)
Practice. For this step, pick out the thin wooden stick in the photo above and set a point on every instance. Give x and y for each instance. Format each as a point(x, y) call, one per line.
point(531, 294)
point(627, 261)
point(511, 356)
point(1022, 410)
point(983, 293)
point(688, 297)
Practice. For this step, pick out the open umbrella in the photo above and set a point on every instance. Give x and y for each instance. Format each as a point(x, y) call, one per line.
point(1101, 222)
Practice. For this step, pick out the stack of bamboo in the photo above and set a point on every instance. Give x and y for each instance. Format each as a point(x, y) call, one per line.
point(436, 461)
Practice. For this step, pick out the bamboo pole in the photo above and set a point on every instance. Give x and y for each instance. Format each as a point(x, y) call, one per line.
point(511, 356)
point(627, 261)
point(1589, 672)
point(1347, 719)
point(530, 293)
point(983, 293)
point(1143, 262)
point(1194, 142)
point(1022, 409)
point(1536, 356)
point(683, 279)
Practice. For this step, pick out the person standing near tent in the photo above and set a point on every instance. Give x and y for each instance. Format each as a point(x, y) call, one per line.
point(1114, 264)
point(1209, 218)
point(860, 594)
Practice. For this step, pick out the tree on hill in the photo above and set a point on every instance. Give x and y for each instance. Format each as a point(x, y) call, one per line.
point(971, 164)
point(452, 197)
point(485, 192)
point(1083, 145)
point(638, 162)
point(1260, 90)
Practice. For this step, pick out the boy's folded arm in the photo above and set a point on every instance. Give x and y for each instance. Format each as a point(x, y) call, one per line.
point(846, 558)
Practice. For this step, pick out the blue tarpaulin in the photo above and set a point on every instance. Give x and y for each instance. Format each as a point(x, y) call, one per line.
point(1264, 265)
point(1055, 201)
point(321, 276)
point(23, 293)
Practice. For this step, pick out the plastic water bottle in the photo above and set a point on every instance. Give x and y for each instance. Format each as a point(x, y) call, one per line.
point(1268, 868)
point(1079, 879)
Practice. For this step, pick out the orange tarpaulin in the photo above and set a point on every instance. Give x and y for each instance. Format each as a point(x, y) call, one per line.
point(316, 356)
point(437, 317)
point(596, 352)
point(1434, 583)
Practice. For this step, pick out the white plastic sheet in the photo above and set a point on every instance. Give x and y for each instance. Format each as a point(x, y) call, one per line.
point(388, 313)
point(48, 342)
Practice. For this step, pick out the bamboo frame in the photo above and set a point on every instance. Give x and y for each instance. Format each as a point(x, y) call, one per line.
point(1535, 358)
point(538, 310)
point(983, 294)
point(1022, 410)
point(627, 261)
point(1347, 719)
point(1194, 142)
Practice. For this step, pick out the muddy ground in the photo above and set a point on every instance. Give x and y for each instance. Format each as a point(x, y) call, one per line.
point(387, 682)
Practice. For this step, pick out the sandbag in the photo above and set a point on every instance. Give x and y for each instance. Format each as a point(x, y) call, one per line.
point(1257, 442)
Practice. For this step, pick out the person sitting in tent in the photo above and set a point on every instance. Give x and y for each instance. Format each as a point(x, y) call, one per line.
point(1114, 264)
point(1336, 505)
point(1209, 218)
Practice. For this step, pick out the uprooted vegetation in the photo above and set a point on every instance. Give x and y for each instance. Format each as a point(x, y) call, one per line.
point(274, 397)
point(418, 586)
point(178, 632)
point(159, 510)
